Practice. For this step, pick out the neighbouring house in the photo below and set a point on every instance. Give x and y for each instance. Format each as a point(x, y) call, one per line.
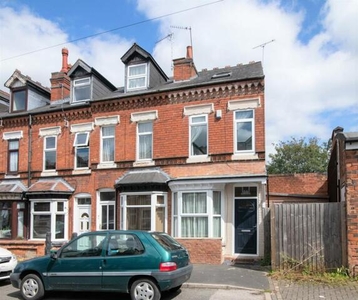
point(297, 188)
point(4, 102)
point(182, 154)
point(343, 186)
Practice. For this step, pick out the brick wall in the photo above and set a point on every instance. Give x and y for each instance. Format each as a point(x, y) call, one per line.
point(351, 163)
point(203, 251)
point(24, 249)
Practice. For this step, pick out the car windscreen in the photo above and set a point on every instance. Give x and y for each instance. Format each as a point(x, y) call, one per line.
point(166, 241)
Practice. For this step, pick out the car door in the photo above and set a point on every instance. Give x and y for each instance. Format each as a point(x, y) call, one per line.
point(125, 257)
point(78, 265)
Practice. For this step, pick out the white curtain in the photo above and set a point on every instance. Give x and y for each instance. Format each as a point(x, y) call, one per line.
point(107, 144)
point(145, 140)
point(194, 226)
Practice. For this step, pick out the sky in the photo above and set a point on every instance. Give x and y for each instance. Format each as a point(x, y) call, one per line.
point(309, 48)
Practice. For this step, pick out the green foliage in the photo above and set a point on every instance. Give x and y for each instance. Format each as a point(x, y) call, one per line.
point(299, 156)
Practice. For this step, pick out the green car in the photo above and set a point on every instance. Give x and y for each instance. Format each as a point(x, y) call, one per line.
point(137, 262)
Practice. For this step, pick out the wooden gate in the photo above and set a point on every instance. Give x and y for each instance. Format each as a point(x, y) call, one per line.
point(308, 236)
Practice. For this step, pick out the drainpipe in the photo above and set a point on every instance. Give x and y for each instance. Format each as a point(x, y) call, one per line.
point(29, 172)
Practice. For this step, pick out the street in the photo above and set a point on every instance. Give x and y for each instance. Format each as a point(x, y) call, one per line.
point(7, 292)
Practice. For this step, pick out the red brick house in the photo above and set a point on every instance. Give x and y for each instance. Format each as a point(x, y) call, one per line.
point(343, 186)
point(182, 154)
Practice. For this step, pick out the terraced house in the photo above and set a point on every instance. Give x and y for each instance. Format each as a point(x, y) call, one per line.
point(183, 154)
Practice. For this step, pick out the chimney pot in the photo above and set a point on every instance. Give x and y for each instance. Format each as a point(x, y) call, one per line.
point(64, 60)
point(189, 52)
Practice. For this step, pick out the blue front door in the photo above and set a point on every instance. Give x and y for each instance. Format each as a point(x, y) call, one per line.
point(246, 226)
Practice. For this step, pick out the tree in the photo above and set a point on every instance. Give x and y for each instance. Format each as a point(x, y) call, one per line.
point(299, 156)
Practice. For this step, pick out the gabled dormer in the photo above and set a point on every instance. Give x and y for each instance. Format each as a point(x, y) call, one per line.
point(87, 84)
point(26, 94)
point(141, 70)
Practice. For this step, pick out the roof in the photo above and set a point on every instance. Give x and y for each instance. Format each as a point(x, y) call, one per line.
point(12, 186)
point(55, 185)
point(143, 177)
point(26, 80)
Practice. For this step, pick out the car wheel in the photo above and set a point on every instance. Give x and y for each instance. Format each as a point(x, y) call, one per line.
point(174, 289)
point(144, 289)
point(31, 287)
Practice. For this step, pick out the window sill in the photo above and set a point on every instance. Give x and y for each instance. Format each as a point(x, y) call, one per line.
point(144, 163)
point(244, 156)
point(106, 165)
point(80, 172)
point(12, 176)
point(49, 173)
point(198, 159)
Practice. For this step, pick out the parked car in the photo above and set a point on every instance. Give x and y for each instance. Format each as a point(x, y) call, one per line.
point(8, 262)
point(140, 263)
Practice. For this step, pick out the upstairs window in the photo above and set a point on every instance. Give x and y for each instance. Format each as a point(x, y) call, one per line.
point(107, 144)
point(198, 135)
point(13, 158)
point(244, 131)
point(19, 100)
point(50, 151)
point(82, 90)
point(81, 144)
point(145, 140)
point(137, 77)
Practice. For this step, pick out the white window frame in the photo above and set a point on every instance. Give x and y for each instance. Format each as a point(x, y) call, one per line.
point(107, 203)
point(252, 121)
point(177, 212)
point(85, 145)
point(53, 212)
point(131, 77)
point(191, 125)
point(84, 84)
point(49, 150)
point(153, 208)
point(102, 140)
point(147, 133)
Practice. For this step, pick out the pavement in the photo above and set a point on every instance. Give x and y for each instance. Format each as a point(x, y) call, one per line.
point(254, 278)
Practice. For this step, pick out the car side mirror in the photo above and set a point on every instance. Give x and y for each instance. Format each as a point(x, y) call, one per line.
point(53, 254)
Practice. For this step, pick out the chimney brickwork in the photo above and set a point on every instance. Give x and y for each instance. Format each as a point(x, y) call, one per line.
point(184, 68)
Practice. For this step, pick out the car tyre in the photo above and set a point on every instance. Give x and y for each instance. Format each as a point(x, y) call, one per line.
point(32, 288)
point(144, 289)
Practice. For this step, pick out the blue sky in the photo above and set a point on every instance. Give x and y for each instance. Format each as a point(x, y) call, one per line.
point(311, 67)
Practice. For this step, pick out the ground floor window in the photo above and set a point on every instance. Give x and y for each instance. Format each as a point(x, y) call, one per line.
point(49, 216)
point(107, 209)
point(143, 211)
point(12, 219)
point(197, 214)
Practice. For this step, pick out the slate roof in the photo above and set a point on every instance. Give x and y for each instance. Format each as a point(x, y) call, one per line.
point(143, 177)
point(12, 186)
point(55, 185)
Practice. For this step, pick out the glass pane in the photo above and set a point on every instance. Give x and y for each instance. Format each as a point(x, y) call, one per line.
point(42, 206)
point(145, 146)
point(200, 119)
point(160, 199)
point(82, 93)
point(20, 224)
point(217, 227)
point(244, 136)
point(13, 145)
point(107, 196)
point(84, 201)
point(200, 203)
point(194, 227)
point(60, 227)
point(175, 203)
point(19, 100)
point(216, 203)
point(139, 218)
point(5, 219)
point(108, 149)
point(83, 81)
point(14, 161)
point(139, 200)
point(244, 114)
point(145, 127)
point(246, 191)
point(136, 82)
point(137, 70)
point(60, 206)
point(81, 139)
point(159, 219)
point(108, 131)
point(199, 143)
point(104, 224)
point(111, 217)
point(50, 160)
point(42, 225)
point(50, 142)
point(82, 157)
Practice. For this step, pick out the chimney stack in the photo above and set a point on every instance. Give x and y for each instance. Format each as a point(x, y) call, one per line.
point(60, 82)
point(184, 68)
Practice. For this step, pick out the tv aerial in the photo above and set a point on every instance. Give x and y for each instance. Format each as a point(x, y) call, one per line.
point(263, 49)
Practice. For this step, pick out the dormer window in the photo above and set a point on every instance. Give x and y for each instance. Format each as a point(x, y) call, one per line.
point(81, 89)
point(19, 100)
point(137, 77)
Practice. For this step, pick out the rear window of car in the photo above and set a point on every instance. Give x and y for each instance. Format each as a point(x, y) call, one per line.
point(166, 241)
